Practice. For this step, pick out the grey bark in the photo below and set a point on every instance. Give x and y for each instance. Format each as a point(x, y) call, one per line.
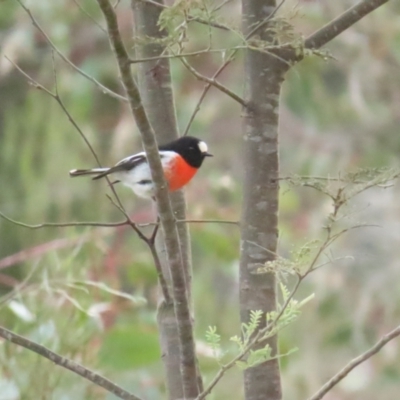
point(259, 223)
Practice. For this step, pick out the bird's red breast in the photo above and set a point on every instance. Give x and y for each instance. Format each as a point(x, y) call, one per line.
point(178, 173)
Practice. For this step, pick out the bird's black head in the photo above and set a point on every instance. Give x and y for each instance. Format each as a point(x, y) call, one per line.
point(193, 150)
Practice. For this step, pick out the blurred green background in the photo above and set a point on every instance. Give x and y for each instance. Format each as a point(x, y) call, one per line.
point(336, 116)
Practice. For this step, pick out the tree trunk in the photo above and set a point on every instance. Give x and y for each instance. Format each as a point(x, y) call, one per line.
point(259, 223)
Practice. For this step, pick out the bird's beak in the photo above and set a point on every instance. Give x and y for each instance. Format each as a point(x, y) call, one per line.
point(208, 155)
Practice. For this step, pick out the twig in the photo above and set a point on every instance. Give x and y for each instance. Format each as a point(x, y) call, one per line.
point(215, 83)
point(219, 6)
point(56, 97)
point(207, 221)
point(103, 88)
point(67, 364)
point(111, 224)
point(79, 5)
point(154, 3)
point(181, 55)
point(354, 363)
point(213, 24)
point(265, 21)
point(341, 23)
point(65, 224)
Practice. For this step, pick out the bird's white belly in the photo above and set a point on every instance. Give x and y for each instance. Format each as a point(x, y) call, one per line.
point(139, 178)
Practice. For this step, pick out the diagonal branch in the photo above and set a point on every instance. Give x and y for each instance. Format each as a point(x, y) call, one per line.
point(36, 24)
point(354, 363)
point(341, 23)
point(168, 221)
point(214, 82)
point(67, 364)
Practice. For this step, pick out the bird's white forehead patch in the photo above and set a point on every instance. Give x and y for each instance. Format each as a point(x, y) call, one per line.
point(203, 147)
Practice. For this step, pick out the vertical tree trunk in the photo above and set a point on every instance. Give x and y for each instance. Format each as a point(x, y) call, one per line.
point(259, 224)
point(154, 81)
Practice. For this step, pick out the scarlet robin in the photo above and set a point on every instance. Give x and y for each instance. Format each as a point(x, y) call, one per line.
point(180, 160)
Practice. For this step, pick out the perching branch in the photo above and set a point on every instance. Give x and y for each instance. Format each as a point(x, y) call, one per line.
point(341, 23)
point(67, 364)
point(181, 306)
point(354, 363)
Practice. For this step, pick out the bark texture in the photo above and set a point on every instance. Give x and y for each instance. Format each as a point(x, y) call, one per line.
point(259, 225)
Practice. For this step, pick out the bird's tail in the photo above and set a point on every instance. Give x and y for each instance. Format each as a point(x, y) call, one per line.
point(100, 172)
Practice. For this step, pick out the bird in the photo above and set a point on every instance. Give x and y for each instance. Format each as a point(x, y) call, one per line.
point(180, 160)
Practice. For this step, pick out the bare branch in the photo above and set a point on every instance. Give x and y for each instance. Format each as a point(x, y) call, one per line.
point(64, 224)
point(56, 97)
point(79, 5)
point(78, 369)
point(215, 83)
point(181, 55)
point(66, 60)
point(354, 363)
point(154, 3)
point(341, 23)
point(208, 23)
point(181, 305)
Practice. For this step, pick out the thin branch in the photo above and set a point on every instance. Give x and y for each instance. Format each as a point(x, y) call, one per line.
point(111, 224)
point(265, 21)
point(103, 88)
point(65, 224)
point(56, 97)
point(181, 55)
point(207, 221)
point(354, 363)
point(341, 23)
point(67, 364)
point(213, 24)
point(205, 91)
point(161, 278)
point(181, 305)
point(215, 83)
point(154, 3)
point(79, 5)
